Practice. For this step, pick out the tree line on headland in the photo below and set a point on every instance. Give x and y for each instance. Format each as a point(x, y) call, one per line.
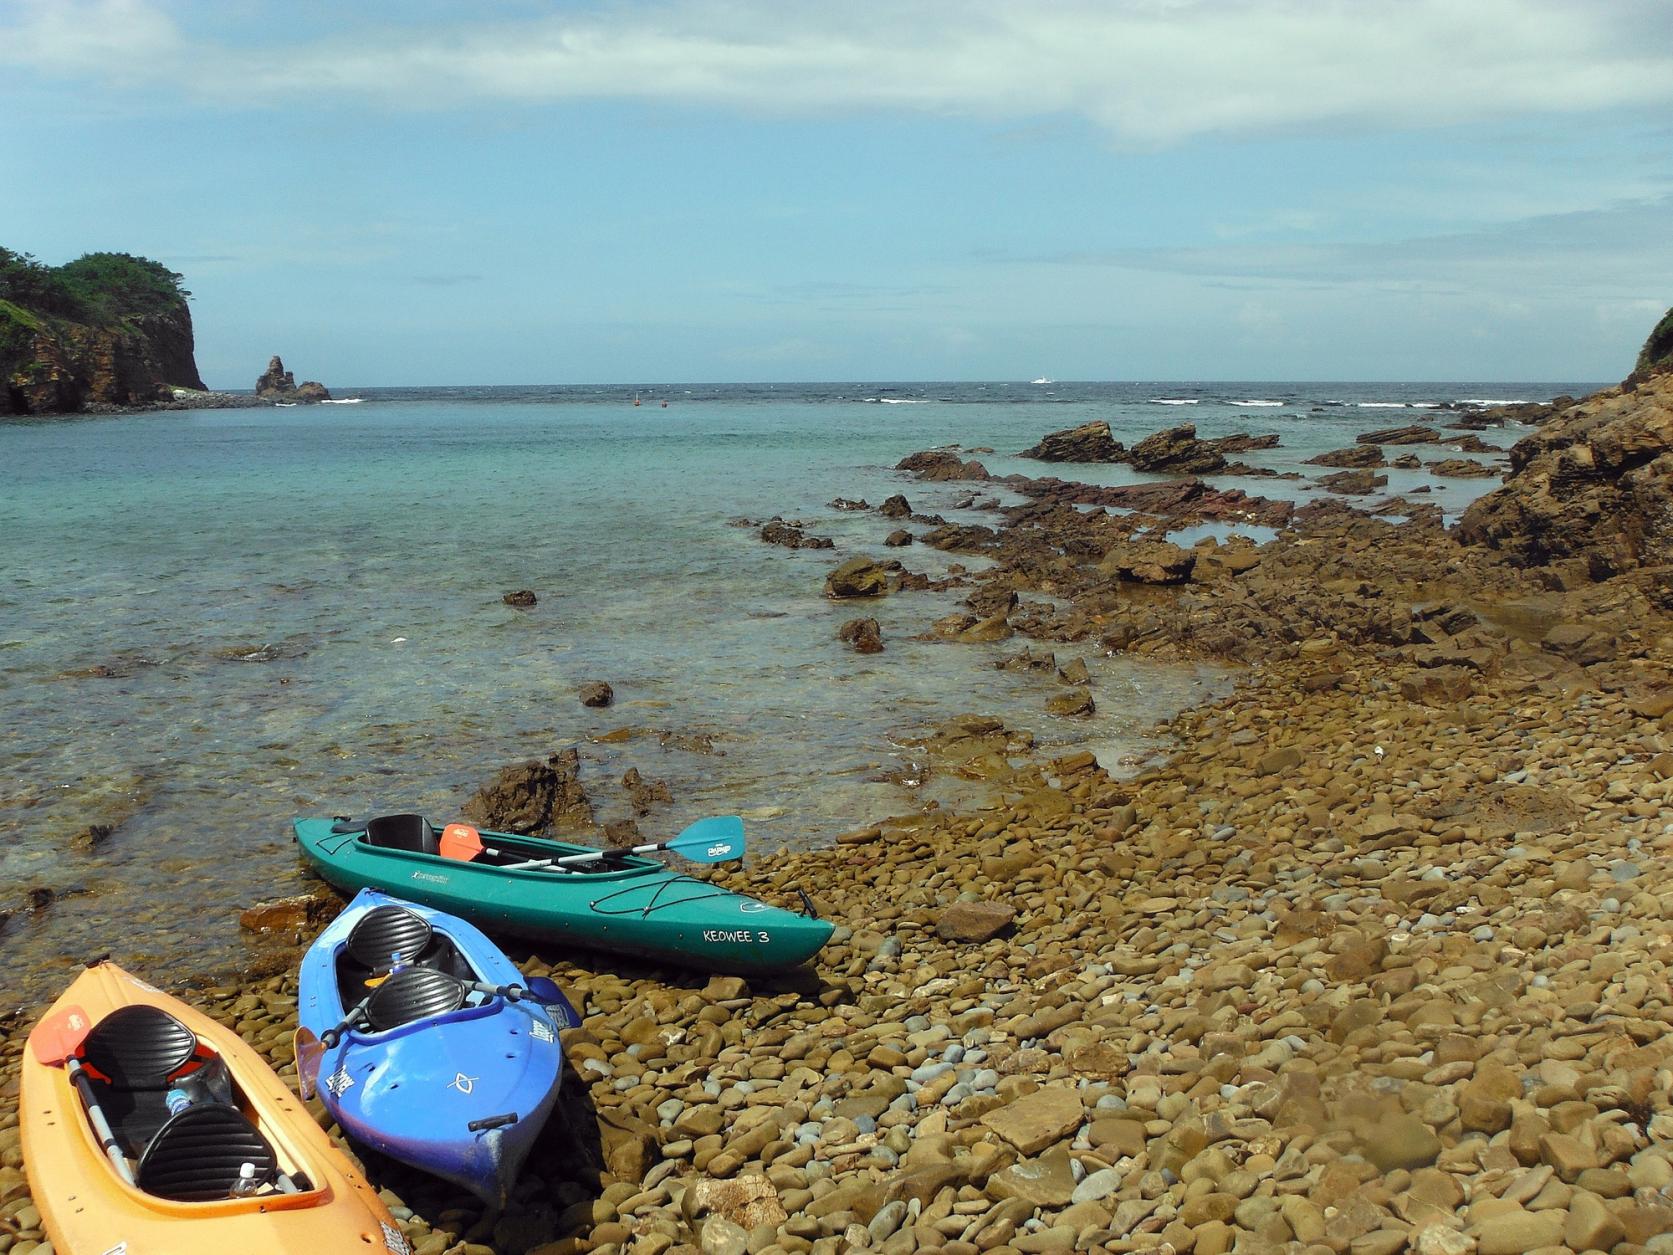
point(107, 329)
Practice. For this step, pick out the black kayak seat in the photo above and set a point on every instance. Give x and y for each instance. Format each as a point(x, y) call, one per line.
point(139, 1047)
point(385, 931)
point(199, 1153)
point(413, 993)
point(412, 833)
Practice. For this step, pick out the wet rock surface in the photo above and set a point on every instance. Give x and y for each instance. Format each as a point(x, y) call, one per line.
point(862, 635)
point(777, 531)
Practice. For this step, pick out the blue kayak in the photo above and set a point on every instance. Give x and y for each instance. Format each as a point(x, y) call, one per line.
point(425, 1044)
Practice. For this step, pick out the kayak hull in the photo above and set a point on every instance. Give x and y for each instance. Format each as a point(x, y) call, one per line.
point(629, 905)
point(86, 1206)
point(412, 1092)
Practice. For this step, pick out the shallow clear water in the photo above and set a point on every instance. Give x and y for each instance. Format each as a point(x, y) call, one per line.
point(216, 620)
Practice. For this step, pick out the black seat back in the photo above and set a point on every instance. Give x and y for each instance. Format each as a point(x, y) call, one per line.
point(198, 1154)
point(385, 931)
point(412, 994)
point(139, 1047)
point(403, 832)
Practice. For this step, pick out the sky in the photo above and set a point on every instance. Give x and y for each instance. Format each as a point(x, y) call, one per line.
point(416, 193)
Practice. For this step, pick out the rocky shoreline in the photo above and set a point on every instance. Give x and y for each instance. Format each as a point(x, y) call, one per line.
point(1376, 961)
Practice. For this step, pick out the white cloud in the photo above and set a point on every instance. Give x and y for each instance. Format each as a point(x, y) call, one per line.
point(1625, 249)
point(1150, 72)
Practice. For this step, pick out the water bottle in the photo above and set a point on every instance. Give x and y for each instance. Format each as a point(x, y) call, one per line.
point(396, 963)
point(185, 1092)
point(246, 1184)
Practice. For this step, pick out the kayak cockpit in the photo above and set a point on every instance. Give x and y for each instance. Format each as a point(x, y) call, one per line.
point(413, 834)
point(175, 1109)
point(401, 970)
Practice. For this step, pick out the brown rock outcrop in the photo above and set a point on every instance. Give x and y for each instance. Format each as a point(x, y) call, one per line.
point(941, 464)
point(1593, 483)
point(1090, 442)
point(1356, 457)
point(1414, 433)
point(1462, 468)
point(1176, 451)
point(278, 384)
point(533, 797)
point(858, 577)
point(1354, 483)
point(1149, 562)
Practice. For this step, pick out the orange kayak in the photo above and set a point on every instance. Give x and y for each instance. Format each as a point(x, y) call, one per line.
point(149, 1129)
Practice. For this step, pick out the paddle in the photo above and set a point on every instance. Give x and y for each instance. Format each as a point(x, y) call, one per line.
point(712, 840)
point(55, 1041)
point(309, 1051)
point(540, 989)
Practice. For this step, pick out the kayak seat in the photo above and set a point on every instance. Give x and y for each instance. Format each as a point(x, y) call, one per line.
point(412, 833)
point(139, 1047)
point(385, 931)
point(197, 1155)
point(413, 993)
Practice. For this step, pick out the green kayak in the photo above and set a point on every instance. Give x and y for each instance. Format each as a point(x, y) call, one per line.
point(616, 902)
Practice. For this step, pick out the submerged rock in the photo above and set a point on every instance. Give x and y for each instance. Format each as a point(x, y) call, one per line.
point(596, 693)
point(300, 913)
point(777, 531)
point(522, 598)
point(863, 634)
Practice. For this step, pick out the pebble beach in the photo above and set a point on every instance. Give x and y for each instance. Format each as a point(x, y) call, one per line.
point(1372, 958)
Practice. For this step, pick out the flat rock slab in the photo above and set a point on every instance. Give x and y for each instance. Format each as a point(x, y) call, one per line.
point(974, 921)
point(1038, 1120)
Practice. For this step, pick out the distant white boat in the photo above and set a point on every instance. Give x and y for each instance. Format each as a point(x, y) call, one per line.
point(1042, 379)
point(342, 401)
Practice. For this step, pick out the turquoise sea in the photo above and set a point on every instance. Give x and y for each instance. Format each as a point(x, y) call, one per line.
point(216, 620)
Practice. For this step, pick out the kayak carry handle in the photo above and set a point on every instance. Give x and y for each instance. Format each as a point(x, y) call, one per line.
point(492, 1122)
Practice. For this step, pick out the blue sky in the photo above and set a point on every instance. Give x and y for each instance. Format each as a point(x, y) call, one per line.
point(702, 190)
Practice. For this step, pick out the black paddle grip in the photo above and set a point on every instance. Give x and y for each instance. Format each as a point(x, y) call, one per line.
point(492, 1122)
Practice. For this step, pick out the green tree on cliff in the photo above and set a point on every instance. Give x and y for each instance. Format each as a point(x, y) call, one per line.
point(97, 288)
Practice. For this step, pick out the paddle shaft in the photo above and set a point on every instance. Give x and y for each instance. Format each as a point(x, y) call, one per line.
point(96, 1115)
point(332, 1036)
point(589, 857)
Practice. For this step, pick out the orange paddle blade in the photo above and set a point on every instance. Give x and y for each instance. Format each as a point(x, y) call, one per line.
point(460, 841)
point(60, 1035)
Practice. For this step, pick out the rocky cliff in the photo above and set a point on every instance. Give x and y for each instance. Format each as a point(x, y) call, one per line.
point(1594, 485)
point(106, 329)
